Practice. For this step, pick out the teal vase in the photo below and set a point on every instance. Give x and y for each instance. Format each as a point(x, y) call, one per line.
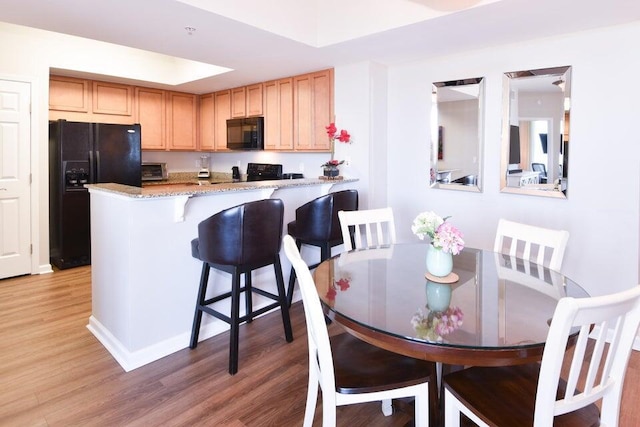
point(439, 263)
point(438, 296)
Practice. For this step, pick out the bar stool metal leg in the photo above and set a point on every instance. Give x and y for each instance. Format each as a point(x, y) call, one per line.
point(197, 317)
point(284, 306)
point(235, 322)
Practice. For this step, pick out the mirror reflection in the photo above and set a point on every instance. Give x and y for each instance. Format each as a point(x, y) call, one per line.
point(456, 134)
point(535, 158)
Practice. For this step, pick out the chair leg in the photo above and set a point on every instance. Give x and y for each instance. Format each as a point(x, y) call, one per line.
point(387, 407)
point(197, 317)
point(282, 299)
point(235, 322)
point(248, 296)
point(312, 397)
point(292, 279)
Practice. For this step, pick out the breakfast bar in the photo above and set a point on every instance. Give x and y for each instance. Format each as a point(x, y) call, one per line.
point(144, 279)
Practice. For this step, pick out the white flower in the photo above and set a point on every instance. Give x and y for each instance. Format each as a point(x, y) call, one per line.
point(426, 224)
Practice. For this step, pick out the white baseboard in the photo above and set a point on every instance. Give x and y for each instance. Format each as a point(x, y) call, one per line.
point(130, 360)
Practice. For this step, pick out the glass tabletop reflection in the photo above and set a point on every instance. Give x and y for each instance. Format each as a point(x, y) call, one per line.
point(497, 302)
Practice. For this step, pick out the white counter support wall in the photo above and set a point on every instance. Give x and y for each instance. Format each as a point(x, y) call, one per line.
point(144, 279)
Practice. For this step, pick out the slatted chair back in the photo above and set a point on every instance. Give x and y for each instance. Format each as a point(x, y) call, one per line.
point(544, 246)
point(371, 228)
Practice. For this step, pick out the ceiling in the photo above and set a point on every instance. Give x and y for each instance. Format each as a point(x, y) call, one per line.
point(261, 40)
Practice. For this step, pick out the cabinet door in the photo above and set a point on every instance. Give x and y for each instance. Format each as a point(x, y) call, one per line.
point(150, 113)
point(254, 100)
point(222, 111)
point(113, 99)
point(278, 114)
point(206, 138)
point(182, 114)
point(239, 102)
point(313, 110)
point(69, 94)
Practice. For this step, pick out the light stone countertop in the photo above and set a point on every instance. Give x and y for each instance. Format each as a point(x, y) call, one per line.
point(194, 188)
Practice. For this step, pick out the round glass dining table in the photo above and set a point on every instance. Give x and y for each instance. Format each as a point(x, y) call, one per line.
point(495, 310)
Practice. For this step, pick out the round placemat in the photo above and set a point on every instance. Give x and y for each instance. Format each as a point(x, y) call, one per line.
point(449, 278)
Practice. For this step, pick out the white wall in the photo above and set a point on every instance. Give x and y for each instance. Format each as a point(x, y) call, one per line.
point(602, 209)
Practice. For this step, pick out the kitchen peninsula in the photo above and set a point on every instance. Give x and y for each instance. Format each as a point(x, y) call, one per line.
point(144, 279)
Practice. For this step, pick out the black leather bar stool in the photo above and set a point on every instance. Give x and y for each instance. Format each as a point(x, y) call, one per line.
point(239, 240)
point(317, 224)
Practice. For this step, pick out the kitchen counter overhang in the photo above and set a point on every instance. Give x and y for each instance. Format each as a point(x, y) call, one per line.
point(144, 279)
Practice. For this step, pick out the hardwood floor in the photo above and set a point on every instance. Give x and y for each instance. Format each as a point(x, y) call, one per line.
point(54, 372)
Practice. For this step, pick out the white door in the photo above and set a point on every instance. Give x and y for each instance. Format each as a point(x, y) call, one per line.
point(15, 172)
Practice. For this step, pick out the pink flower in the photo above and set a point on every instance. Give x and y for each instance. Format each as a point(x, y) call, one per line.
point(449, 238)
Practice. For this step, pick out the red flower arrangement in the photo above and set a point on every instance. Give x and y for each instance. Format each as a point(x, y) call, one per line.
point(343, 136)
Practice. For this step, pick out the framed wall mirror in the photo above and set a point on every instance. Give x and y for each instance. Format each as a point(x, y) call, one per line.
point(457, 118)
point(535, 132)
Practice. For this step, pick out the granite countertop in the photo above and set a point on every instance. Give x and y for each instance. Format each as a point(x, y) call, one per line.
point(193, 187)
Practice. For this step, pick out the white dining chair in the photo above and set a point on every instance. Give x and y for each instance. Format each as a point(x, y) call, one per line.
point(535, 394)
point(544, 246)
point(349, 370)
point(376, 225)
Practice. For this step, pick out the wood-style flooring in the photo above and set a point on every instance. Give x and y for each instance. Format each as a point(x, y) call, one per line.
point(54, 372)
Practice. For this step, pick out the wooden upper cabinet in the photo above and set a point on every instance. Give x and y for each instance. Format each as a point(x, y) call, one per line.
point(278, 114)
point(246, 101)
point(239, 102)
point(222, 113)
point(182, 115)
point(69, 94)
point(254, 100)
point(313, 110)
point(206, 137)
point(111, 98)
point(150, 113)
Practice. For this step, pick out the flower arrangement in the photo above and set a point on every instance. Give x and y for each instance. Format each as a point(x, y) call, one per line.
point(332, 132)
point(436, 324)
point(443, 235)
point(332, 163)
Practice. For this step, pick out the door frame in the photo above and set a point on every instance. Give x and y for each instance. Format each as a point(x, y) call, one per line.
point(39, 174)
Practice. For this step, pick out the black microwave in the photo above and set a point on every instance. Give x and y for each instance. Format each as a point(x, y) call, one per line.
point(245, 134)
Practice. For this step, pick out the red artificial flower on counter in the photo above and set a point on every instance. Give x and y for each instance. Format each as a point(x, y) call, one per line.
point(343, 136)
point(331, 130)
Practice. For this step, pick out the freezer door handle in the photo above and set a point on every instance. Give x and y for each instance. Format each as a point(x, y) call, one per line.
point(97, 167)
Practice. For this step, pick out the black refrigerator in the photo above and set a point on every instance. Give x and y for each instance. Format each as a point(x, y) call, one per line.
point(79, 154)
